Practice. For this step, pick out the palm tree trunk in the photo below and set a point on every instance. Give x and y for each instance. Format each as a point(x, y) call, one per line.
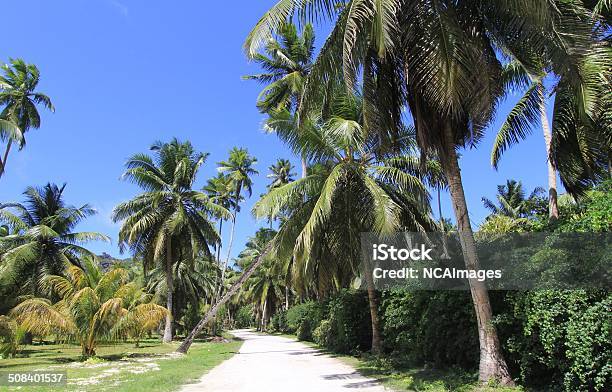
point(377, 341)
point(492, 364)
point(287, 297)
point(170, 292)
point(184, 347)
point(220, 242)
point(4, 159)
point(304, 167)
point(263, 315)
point(553, 209)
point(229, 251)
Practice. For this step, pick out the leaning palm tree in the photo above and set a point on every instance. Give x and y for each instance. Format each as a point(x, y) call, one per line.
point(438, 60)
point(93, 307)
point(41, 239)
point(169, 221)
point(287, 59)
point(239, 168)
point(19, 96)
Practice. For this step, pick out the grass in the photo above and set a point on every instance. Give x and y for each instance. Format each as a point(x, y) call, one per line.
point(152, 367)
point(399, 378)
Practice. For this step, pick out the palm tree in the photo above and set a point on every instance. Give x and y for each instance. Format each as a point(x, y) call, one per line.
point(168, 222)
point(239, 168)
point(19, 98)
point(194, 280)
point(438, 60)
point(287, 60)
point(512, 201)
point(220, 190)
point(531, 111)
point(368, 192)
point(93, 307)
point(264, 288)
point(355, 188)
point(280, 173)
point(42, 240)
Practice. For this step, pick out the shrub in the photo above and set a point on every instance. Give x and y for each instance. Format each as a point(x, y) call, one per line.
point(304, 331)
point(560, 338)
point(434, 327)
point(245, 317)
point(278, 322)
point(311, 311)
point(323, 333)
point(350, 327)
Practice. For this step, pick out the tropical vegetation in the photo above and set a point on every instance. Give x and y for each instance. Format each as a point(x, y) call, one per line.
point(379, 116)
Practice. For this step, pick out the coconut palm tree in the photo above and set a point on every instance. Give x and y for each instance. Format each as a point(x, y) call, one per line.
point(531, 111)
point(220, 190)
point(369, 193)
point(41, 239)
point(280, 173)
point(170, 221)
point(19, 96)
point(93, 307)
point(239, 168)
point(195, 280)
point(438, 60)
point(355, 188)
point(265, 287)
point(512, 201)
point(287, 59)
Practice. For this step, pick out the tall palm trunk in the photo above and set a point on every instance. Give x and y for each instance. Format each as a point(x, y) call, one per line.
point(553, 209)
point(170, 293)
point(304, 167)
point(264, 313)
point(492, 364)
point(373, 303)
point(184, 347)
point(229, 252)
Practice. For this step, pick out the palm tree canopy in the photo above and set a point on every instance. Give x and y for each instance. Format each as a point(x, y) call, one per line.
point(19, 96)
point(168, 209)
point(286, 60)
point(512, 201)
point(42, 239)
point(239, 167)
point(369, 192)
point(280, 173)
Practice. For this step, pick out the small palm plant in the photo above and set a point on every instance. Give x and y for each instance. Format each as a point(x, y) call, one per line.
point(93, 307)
point(11, 336)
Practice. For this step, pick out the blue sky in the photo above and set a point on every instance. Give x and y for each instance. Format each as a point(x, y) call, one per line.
point(125, 73)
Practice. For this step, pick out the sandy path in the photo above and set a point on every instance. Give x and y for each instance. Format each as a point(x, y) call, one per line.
point(273, 363)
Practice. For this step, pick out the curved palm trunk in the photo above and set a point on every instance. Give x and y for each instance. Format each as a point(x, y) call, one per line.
point(553, 209)
point(170, 294)
point(184, 347)
point(492, 364)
